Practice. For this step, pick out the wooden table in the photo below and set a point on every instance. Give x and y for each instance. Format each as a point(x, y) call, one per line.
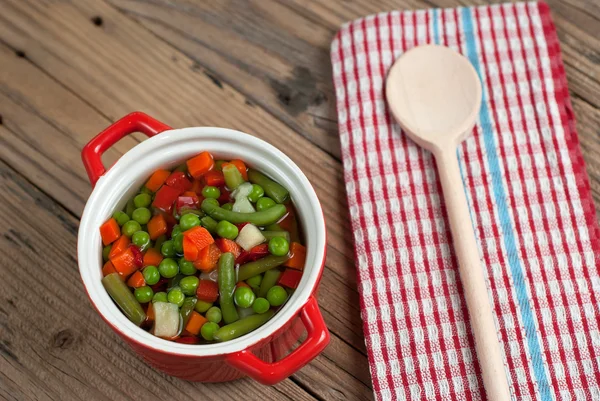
point(70, 68)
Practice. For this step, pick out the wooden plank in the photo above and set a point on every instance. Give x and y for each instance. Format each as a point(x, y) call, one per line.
point(53, 344)
point(19, 69)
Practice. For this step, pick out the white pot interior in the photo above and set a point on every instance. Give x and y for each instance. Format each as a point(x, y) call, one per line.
point(167, 150)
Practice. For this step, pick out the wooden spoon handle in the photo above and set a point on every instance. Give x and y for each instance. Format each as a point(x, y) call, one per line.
point(472, 277)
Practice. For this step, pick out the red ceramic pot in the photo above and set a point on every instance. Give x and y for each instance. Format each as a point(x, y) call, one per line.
point(254, 354)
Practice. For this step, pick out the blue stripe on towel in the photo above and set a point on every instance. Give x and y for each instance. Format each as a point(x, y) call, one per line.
point(508, 235)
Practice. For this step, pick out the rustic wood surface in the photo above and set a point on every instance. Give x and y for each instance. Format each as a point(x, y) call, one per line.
point(69, 68)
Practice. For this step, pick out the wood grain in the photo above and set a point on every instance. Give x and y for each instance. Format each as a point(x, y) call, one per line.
point(69, 68)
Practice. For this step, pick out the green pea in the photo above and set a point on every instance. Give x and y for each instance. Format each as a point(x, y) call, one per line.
point(279, 246)
point(186, 267)
point(141, 239)
point(176, 231)
point(151, 275)
point(202, 306)
point(188, 221)
point(142, 215)
point(189, 284)
point(261, 305)
point(175, 296)
point(227, 206)
point(254, 282)
point(264, 204)
point(178, 244)
point(143, 294)
point(277, 295)
point(244, 297)
point(227, 230)
point(130, 228)
point(142, 200)
point(120, 217)
point(160, 297)
point(214, 314)
point(106, 252)
point(256, 193)
point(168, 249)
point(211, 192)
point(168, 268)
point(208, 330)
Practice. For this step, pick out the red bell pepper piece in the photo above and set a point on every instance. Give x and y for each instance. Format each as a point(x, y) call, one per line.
point(225, 195)
point(179, 181)
point(214, 178)
point(290, 278)
point(259, 251)
point(240, 226)
point(187, 202)
point(138, 256)
point(188, 340)
point(161, 285)
point(207, 291)
point(165, 198)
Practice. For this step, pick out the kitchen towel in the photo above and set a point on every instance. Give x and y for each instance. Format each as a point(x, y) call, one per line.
point(530, 203)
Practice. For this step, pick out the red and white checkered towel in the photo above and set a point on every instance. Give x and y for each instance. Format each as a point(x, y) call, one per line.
point(529, 198)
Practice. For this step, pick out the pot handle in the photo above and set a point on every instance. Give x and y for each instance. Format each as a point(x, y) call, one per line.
point(272, 373)
point(91, 153)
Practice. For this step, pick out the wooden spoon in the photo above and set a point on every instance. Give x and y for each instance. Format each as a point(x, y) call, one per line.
point(434, 94)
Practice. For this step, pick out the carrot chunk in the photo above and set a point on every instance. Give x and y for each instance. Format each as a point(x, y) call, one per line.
point(110, 231)
point(200, 164)
point(108, 268)
point(136, 280)
point(152, 257)
point(157, 226)
point(195, 323)
point(119, 246)
point(124, 263)
point(190, 251)
point(298, 258)
point(207, 291)
point(208, 257)
point(199, 236)
point(157, 179)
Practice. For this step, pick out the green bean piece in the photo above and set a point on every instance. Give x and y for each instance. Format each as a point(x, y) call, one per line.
point(270, 278)
point(124, 298)
point(273, 190)
point(242, 326)
point(209, 223)
point(226, 281)
point(233, 177)
point(145, 190)
point(227, 206)
point(272, 234)
point(254, 282)
point(262, 218)
point(259, 266)
point(273, 227)
point(189, 303)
